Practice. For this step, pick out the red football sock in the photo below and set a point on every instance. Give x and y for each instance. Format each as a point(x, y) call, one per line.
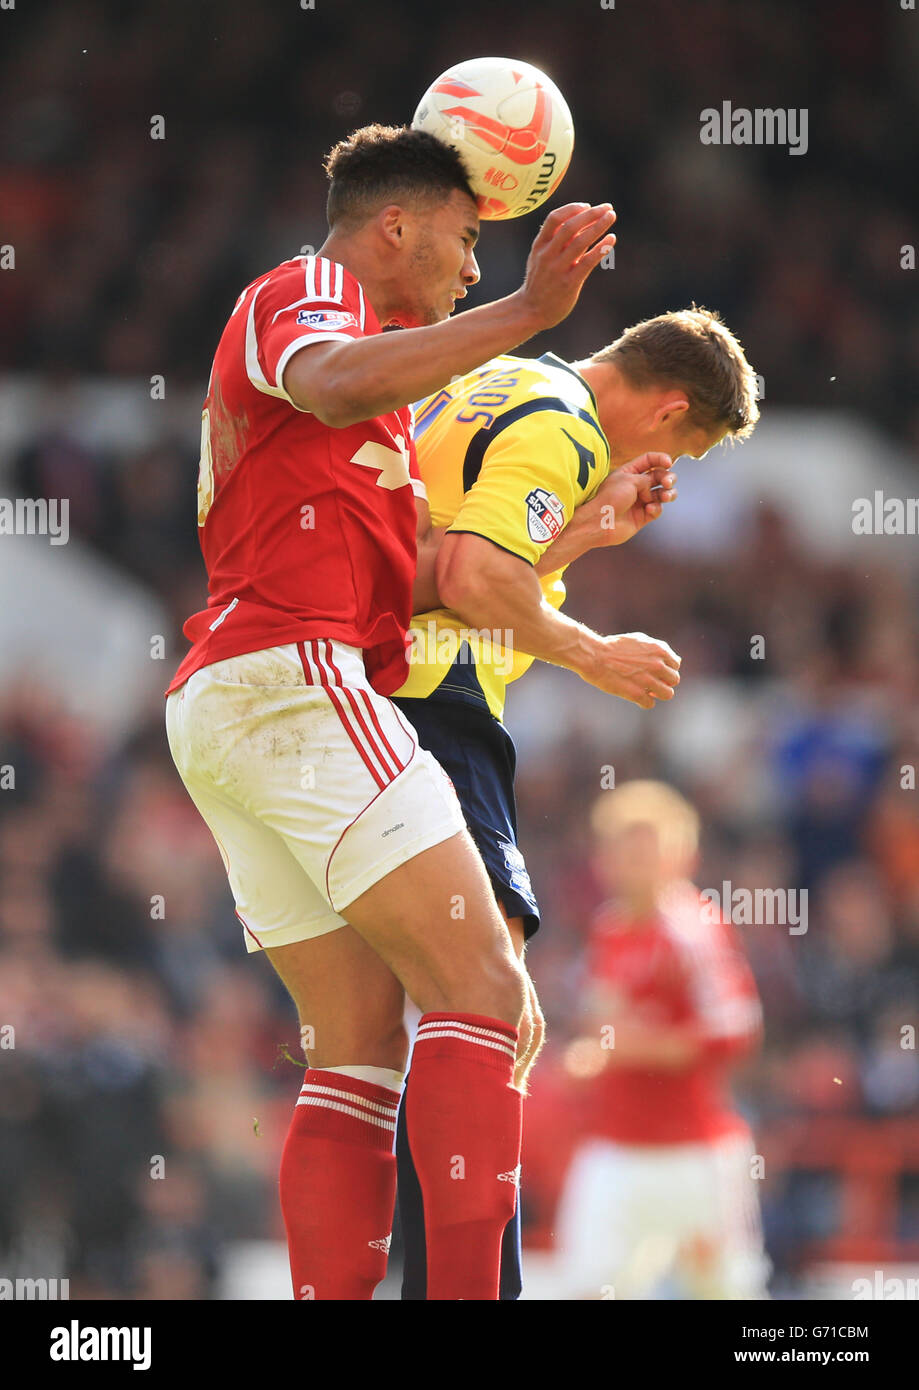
point(463, 1117)
point(338, 1186)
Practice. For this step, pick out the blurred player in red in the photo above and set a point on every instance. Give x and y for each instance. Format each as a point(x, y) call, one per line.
point(663, 1181)
point(343, 840)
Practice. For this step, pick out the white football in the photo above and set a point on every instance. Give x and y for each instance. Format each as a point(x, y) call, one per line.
point(511, 125)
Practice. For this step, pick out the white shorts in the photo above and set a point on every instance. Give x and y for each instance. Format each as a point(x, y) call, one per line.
point(312, 784)
point(631, 1214)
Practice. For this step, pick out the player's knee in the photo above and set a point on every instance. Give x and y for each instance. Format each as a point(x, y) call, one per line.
point(524, 1038)
point(499, 991)
point(538, 1031)
point(391, 1047)
point(381, 1044)
point(536, 1022)
point(532, 1035)
point(514, 990)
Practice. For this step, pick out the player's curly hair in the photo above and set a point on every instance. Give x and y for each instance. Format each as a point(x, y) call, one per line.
point(381, 164)
point(693, 349)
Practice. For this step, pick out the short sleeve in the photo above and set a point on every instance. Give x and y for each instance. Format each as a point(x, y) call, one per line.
point(528, 485)
point(312, 300)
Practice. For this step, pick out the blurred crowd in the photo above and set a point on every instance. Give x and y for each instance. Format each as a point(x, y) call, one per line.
point(148, 1045)
point(131, 249)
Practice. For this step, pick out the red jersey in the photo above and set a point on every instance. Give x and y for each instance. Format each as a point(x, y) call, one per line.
point(306, 531)
point(682, 968)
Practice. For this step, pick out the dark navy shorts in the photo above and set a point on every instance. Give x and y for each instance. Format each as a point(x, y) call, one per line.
point(478, 755)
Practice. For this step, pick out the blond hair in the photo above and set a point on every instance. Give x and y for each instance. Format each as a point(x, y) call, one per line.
point(691, 349)
point(674, 820)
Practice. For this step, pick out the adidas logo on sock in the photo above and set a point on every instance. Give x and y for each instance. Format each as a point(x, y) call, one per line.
point(512, 1176)
point(383, 1244)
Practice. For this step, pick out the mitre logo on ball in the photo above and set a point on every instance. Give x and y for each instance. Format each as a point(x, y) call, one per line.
point(511, 125)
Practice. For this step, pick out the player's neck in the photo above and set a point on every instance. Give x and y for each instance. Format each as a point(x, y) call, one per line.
point(615, 407)
point(639, 906)
point(363, 263)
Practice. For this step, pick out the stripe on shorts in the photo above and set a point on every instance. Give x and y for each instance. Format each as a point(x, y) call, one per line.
point(328, 658)
point(326, 662)
point(379, 728)
point(319, 669)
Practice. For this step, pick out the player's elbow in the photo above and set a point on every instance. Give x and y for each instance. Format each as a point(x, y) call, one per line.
point(463, 588)
point(326, 389)
point(339, 417)
point(330, 405)
point(342, 403)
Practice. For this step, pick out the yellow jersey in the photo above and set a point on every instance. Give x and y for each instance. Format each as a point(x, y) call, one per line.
point(506, 452)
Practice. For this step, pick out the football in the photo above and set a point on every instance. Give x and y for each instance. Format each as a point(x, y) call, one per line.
point(511, 125)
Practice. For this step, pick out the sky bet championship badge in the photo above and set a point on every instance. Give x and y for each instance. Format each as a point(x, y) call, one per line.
point(545, 515)
point(326, 318)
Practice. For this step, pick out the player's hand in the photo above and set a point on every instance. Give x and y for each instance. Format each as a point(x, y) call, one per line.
point(635, 667)
point(571, 242)
point(625, 502)
point(634, 495)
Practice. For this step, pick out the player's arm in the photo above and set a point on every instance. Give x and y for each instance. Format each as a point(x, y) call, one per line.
point(428, 540)
point(726, 1026)
point(666, 1048)
point(528, 483)
point(672, 1047)
point(624, 502)
point(617, 1038)
point(727, 1004)
point(490, 588)
point(611, 1034)
point(342, 383)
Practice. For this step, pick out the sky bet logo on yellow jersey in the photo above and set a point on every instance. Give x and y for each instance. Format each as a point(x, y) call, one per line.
point(545, 515)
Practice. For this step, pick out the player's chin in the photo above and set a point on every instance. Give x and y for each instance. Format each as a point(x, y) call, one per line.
point(425, 316)
point(442, 307)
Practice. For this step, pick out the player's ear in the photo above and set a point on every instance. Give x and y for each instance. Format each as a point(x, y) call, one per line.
point(671, 409)
point(391, 221)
